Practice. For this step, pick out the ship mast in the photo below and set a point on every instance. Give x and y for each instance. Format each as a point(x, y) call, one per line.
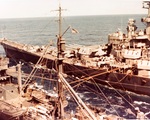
point(60, 56)
point(61, 80)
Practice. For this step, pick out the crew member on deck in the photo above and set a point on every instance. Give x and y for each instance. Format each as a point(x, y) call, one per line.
point(139, 115)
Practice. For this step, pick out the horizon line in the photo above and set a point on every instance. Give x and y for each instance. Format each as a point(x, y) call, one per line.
point(71, 16)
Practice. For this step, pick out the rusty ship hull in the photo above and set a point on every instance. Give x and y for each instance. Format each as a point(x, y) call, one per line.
point(111, 78)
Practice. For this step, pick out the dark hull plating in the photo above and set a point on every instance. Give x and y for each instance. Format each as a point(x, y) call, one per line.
point(125, 82)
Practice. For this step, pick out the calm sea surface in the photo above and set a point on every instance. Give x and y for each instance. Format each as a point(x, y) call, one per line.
point(92, 30)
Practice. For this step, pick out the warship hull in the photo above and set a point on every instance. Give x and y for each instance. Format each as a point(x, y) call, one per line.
point(126, 82)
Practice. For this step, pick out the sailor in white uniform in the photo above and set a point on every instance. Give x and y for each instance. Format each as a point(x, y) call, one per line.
point(139, 115)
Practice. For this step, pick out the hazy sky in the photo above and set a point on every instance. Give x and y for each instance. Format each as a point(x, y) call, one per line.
point(43, 8)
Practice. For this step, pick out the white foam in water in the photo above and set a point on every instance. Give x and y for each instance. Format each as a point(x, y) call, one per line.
point(140, 103)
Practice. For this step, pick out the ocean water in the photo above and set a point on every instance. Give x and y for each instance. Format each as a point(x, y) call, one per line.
point(92, 30)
